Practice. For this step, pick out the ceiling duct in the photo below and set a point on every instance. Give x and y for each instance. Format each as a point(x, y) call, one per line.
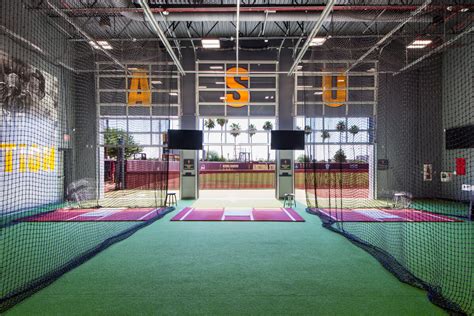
point(338, 16)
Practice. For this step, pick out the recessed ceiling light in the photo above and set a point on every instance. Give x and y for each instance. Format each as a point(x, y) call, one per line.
point(464, 9)
point(173, 93)
point(100, 44)
point(416, 44)
point(211, 43)
point(317, 41)
point(299, 67)
point(266, 41)
point(421, 42)
point(222, 98)
point(94, 44)
point(267, 97)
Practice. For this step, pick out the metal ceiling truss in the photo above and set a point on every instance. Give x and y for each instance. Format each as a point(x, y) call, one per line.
point(156, 27)
point(389, 35)
point(327, 10)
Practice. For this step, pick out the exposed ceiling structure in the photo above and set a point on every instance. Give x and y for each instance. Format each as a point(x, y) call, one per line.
point(261, 24)
point(190, 21)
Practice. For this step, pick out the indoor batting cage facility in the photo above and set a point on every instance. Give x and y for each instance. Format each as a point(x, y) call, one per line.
point(236, 157)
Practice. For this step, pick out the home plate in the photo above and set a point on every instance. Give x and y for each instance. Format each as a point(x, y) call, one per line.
point(237, 213)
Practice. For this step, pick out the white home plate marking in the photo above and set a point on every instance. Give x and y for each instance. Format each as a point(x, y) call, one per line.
point(377, 214)
point(237, 211)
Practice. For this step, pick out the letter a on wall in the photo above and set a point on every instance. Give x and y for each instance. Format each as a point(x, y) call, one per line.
point(238, 98)
point(335, 90)
point(139, 89)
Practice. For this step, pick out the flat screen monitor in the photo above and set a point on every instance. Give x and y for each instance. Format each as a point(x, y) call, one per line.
point(184, 139)
point(460, 137)
point(287, 140)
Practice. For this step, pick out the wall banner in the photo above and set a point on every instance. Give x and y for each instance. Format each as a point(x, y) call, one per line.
point(29, 136)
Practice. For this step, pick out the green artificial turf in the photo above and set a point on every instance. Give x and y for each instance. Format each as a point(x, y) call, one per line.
point(230, 268)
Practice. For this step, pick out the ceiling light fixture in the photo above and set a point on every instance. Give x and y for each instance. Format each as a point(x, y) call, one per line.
point(318, 93)
point(417, 44)
point(216, 67)
point(101, 44)
point(211, 43)
point(156, 82)
point(317, 41)
point(173, 93)
point(94, 44)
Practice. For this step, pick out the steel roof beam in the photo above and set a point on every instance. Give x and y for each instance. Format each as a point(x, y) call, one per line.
point(84, 34)
point(389, 34)
point(156, 27)
point(437, 49)
point(312, 34)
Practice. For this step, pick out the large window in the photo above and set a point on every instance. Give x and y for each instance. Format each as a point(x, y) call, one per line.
point(323, 88)
point(237, 139)
point(141, 103)
point(324, 140)
point(326, 95)
point(145, 132)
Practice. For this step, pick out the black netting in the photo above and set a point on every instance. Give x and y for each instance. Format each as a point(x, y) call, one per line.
point(82, 140)
point(386, 160)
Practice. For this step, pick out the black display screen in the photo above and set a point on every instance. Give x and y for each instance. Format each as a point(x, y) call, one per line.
point(184, 139)
point(460, 137)
point(287, 140)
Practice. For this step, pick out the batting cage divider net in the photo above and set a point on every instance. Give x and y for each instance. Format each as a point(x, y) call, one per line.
point(403, 105)
point(77, 122)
